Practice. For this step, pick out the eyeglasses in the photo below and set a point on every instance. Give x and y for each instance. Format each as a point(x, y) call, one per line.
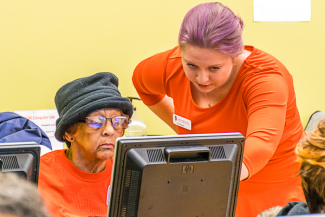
point(118, 122)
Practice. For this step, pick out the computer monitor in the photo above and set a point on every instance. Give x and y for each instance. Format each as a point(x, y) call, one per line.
point(20, 158)
point(176, 176)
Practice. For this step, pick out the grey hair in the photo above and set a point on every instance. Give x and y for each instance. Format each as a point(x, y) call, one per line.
point(20, 198)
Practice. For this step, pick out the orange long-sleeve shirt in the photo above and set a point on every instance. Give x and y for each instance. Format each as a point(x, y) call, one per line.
point(71, 192)
point(261, 105)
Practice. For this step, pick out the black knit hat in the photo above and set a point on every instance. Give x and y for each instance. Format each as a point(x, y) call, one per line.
point(78, 98)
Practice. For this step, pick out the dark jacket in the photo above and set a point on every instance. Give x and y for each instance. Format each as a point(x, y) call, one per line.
point(15, 128)
point(294, 208)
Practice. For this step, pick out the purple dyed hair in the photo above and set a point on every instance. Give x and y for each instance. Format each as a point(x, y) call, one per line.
point(212, 25)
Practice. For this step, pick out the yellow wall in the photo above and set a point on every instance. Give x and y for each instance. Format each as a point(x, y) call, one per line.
point(46, 43)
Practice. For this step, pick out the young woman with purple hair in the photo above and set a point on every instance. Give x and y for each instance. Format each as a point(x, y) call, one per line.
point(214, 83)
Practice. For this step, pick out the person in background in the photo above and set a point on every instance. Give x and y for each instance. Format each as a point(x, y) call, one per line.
point(19, 198)
point(215, 83)
point(311, 154)
point(92, 114)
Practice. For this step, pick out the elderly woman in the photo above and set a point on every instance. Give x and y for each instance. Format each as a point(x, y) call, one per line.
point(92, 114)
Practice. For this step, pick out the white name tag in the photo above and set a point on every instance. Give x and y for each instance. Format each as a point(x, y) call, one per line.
point(182, 122)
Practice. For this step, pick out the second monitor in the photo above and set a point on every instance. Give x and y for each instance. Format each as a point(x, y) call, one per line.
point(21, 158)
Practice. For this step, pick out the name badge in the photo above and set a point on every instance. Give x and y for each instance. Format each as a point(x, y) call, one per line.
point(182, 122)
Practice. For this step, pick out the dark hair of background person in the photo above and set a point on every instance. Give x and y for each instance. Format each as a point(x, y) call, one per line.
point(20, 198)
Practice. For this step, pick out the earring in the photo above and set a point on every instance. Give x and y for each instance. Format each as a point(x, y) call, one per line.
point(71, 139)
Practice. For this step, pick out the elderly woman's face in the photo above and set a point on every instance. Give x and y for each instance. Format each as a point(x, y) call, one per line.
point(98, 143)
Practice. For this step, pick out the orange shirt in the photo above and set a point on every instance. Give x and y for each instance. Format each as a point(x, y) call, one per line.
point(71, 192)
point(261, 105)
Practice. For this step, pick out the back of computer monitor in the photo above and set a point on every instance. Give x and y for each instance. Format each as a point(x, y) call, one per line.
point(176, 176)
point(22, 159)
